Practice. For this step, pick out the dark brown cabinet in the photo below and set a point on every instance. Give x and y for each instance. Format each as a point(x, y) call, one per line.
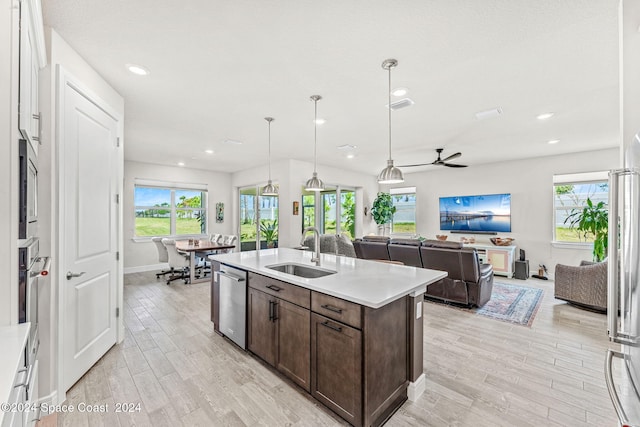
point(279, 332)
point(336, 377)
point(352, 358)
point(261, 333)
point(293, 343)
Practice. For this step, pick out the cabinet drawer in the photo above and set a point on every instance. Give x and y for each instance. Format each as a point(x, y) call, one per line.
point(337, 309)
point(282, 290)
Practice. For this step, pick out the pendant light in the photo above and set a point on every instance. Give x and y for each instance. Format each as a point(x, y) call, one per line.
point(269, 189)
point(315, 184)
point(390, 174)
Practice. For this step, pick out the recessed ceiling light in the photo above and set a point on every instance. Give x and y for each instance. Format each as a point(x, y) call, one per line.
point(553, 141)
point(180, 163)
point(545, 116)
point(208, 151)
point(319, 121)
point(232, 142)
point(137, 69)
point(400, 91)
point(347, 147)
point(350, 156)
point(487, 114)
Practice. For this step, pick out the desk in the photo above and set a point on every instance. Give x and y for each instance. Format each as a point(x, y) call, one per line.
point(202, 246)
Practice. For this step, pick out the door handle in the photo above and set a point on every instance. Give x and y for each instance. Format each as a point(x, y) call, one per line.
point(71, 275)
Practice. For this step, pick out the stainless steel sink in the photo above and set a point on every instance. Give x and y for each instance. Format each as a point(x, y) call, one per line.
point(301, 270)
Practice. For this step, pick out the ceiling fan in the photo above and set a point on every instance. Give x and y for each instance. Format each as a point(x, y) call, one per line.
point(439, 161)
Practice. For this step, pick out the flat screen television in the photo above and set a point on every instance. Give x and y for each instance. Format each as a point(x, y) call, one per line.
point(488, 213)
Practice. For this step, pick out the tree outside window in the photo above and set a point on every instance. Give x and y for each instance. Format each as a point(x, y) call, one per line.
point(169, 211)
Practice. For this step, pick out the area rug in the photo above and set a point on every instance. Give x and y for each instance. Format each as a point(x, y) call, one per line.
point(512, 303)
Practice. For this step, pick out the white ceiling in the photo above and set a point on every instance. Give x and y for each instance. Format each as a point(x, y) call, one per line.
point(219, 67)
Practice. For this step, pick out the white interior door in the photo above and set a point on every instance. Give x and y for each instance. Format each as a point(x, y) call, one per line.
point(88, 151)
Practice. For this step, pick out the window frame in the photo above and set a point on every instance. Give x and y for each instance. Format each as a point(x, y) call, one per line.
point(598, 177)
point(172, 187)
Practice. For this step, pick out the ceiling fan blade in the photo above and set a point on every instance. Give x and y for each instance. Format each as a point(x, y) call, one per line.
point(453, 156)
point(452, 165)
point(412, 166)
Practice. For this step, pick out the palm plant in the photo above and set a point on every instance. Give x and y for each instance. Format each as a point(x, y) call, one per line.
point(269, 230)
point(592, 220)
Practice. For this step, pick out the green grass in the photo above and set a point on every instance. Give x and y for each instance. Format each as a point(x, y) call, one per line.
point(248, 232)
point(404, 227)
point(160, 226)
point(566, 234)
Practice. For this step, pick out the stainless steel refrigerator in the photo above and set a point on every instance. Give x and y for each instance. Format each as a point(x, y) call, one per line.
point(623, 311)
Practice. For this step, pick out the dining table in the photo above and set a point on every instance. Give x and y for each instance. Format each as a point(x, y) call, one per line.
point(195, 246)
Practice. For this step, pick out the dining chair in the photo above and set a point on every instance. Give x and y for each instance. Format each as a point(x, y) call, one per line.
point(177, 261)
point(229, 240)
point(163, 256)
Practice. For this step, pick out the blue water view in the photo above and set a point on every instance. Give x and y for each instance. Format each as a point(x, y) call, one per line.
point(476, 213)
point(497, 223)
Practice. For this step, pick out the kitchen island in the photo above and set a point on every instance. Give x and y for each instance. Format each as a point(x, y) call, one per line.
point(351, 338)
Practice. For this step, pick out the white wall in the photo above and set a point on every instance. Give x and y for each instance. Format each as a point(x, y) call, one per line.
point(291, 175)
point(530, 183)
point(142, 255)
point(61, 54)
point(9, 136)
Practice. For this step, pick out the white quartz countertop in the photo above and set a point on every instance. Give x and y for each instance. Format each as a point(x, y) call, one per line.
point(12, 341)
point(370, 283)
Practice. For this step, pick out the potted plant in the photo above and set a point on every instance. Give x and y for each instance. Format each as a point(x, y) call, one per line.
point(382, 210)
point(594, 220)
point(269, 231)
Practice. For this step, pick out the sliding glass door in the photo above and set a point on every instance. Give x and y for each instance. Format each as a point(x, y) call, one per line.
point(258, 220)
point(334, 208)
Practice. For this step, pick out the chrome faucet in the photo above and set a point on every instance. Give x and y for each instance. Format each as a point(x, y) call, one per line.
point(316, 237)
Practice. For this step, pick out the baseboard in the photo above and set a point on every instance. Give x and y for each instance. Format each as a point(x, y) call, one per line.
point(416, 388)
point(143, 268)
point(49, 401)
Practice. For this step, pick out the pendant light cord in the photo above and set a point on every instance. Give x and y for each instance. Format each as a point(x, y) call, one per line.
point(389, 106)
point(315, 135)
point(269, 121)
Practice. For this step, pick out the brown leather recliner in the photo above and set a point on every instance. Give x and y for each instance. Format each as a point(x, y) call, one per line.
point(372, 247)
point(469, 282)
point(406, 251)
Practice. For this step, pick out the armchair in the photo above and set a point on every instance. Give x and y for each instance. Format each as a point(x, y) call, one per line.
point(584, 285)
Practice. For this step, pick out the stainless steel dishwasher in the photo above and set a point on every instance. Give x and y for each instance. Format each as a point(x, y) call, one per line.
point(233, 304)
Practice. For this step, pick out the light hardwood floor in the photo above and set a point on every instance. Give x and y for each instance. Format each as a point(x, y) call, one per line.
point(481, 372)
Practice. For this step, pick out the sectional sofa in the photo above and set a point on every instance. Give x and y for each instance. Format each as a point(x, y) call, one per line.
point(468, 283)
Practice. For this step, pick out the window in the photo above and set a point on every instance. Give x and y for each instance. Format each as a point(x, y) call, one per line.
point(570, 194)
point(404, 220)
point(330, 210)
point(164, 209)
